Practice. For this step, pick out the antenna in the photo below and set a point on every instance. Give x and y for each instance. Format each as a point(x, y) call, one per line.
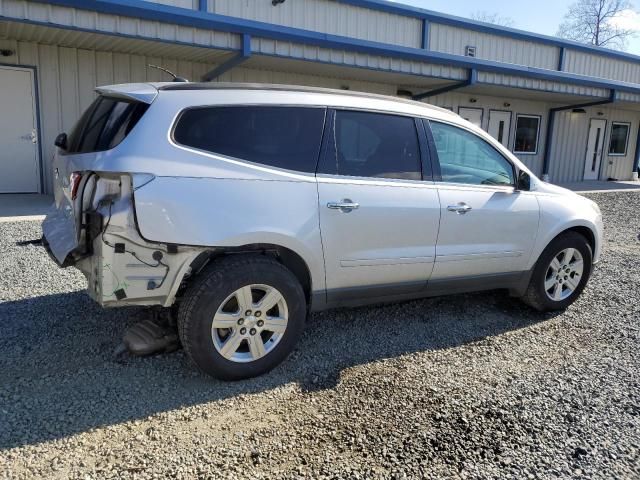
point(175, 77)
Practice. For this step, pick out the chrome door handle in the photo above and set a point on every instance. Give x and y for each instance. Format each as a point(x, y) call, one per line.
point(344, 206)
point(32, 137)
point(460, 208)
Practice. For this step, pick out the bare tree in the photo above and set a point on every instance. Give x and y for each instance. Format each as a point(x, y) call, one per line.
point(596, 22)
point(495, 18)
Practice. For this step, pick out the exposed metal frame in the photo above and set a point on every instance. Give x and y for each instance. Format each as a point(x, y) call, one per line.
point(551, 125)
point(471, 80)
point(242, 56)
point(36, 93)
point(210, 21)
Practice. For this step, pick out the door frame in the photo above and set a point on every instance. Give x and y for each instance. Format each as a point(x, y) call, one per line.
point(474, 108)
point(36, 112)
point(586, 149)
point(510, 124)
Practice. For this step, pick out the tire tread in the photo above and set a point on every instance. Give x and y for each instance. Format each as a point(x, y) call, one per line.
point(210, 279)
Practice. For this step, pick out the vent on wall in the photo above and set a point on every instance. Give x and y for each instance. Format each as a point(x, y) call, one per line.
point(470, 51)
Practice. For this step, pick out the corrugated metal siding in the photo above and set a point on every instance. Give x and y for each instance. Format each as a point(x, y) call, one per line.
point(602, 66)
point(351, 59)
point(454, 101)
point(98, 41)
point(67, 78)
point(628, 97)
point(191, 4)
point(328, 17)
point(454, 40)
point(266, 76)
point(114, 24)
point(569, 149)
point(540, 85)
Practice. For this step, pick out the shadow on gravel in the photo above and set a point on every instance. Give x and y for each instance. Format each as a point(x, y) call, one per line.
point(59, 375)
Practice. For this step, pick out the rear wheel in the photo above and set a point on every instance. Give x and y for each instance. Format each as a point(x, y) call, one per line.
point(242, 317)
point(561, 273)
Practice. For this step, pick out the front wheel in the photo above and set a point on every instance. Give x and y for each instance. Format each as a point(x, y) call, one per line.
point(561, 273)
point(242, 317)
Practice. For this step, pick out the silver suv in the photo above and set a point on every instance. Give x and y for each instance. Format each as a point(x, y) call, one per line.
point(247, 206)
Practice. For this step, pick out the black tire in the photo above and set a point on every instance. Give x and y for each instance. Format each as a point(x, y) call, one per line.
point(536, 296)
point(212, 287)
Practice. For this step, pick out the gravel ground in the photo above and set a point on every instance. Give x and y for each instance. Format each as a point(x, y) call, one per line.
point(471, 386)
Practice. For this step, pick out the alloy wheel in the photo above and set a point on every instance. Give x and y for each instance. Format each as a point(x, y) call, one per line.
point(564, 274)
point(250, 323)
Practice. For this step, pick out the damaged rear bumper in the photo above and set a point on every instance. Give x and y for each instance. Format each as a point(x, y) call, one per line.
point(121, 267)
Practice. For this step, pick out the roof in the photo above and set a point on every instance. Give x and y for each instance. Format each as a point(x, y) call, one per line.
point(147, 92)
point(406, 10)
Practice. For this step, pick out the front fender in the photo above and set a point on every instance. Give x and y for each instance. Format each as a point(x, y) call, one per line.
point(561, 213)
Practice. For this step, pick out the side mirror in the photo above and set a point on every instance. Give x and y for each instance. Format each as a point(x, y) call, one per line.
point(524, 181)
point(61, 141)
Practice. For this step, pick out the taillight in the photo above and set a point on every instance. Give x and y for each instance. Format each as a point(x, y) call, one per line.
point(74, 183)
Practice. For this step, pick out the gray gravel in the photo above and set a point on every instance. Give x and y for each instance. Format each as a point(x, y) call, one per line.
point(471, 386)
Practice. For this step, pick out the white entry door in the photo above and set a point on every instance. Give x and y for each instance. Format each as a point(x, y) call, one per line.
point(19, 170)
point(594, 149)
point(473, 115)
point(500, 126)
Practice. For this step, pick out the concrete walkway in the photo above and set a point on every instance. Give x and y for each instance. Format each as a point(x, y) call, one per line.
point(597, 186)
point(24, 206)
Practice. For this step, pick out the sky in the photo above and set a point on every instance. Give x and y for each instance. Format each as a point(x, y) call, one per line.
point(541, 16)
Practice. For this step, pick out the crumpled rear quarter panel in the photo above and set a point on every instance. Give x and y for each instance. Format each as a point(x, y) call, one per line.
point(224, 212)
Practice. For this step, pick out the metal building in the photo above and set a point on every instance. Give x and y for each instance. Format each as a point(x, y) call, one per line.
point(570, 111)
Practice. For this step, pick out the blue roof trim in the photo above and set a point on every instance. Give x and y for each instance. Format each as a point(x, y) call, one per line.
point(455, 21)
point(210, 21)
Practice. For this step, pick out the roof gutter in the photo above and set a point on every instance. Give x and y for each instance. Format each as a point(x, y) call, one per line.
point(209, 21)
point(471, 80)
point(551, 125)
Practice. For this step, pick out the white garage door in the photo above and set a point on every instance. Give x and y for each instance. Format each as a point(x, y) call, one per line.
point(19, 170)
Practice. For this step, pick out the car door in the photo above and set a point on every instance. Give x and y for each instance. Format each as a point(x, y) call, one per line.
point(488, 227)
point(378, 218)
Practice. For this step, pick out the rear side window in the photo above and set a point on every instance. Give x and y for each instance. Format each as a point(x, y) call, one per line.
point(282, 137)
point(104, 125)
point(374, 145)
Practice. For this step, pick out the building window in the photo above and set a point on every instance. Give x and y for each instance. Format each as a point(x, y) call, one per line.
point(527, 134)
point(619, 138)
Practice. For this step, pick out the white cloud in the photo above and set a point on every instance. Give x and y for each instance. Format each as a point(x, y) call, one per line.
point(628, 20)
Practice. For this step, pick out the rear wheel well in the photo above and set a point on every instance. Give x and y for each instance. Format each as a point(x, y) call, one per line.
point(290, 259)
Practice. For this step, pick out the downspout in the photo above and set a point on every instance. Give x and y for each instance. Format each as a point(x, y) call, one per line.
point(471, 80)
point(242, 56)
point(551, 125)
point(636, 168)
